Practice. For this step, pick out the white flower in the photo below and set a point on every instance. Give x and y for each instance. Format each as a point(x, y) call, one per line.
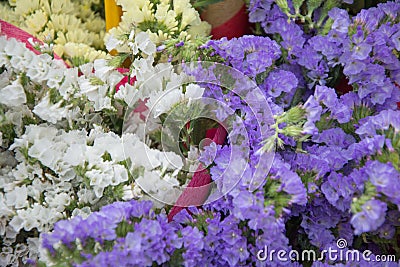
point(101, 68)
point(120, 175)
point(69, 83)
point(193, 91)
point(149, 181)
point(162, 102)
point(144, 43)
point(50, 112)
point(128, 192)
point(4, 78)
point(4, 208)
point(163, 190)
point(14, 48)
point(39, 67)
point(83, 213)
point(58, 201)
point(112, 42)
point(13, 95)
point(17, 197)
point(170, 161)
point(47, 152)
point(139, 153)
point(35, 190)
point(128, 94)
point(55, 77)
point(17, 223)
point(75, 155)
point(112, 144)
point(95, 93)
point(86, 196)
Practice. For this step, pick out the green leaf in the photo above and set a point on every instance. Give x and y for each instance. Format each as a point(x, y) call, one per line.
point(328, 5)
point(297, 4)
point(117, 60)
point(283, 5)
point(201, 4)
point(312, 5)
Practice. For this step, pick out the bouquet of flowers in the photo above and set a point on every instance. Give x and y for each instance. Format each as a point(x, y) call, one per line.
point(73, 29)
point(278, 148)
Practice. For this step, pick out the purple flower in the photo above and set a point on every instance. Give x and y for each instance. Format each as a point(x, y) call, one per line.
point(209, 153)
point(380, 174)
point(361, 223)
point(387, 231)
point(386, 179)
point(370, 218)
point(341, 19)
point(193, 244)
point(314, 111)
point(335, 137)
point(250, 55)
point(375, 209)
point(280, 81)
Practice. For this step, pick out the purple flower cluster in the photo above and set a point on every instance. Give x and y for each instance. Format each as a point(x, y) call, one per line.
point(124, 234)
point(250, 55)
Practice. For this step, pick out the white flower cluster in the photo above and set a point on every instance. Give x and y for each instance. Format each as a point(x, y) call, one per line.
point(60, 155)
point(75, 30)
point(160, 90)
point(168, 19)
point(161, 87)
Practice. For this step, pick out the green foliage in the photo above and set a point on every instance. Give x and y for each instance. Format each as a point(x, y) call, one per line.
point(369, 193)
point(202, 4)
point(275, 196)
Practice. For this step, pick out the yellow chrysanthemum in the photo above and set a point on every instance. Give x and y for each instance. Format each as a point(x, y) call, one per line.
point(5, 12)
point(62, 7)
point(181, 5)
point(47, 35)
point(199, 30)
point(64, 23)
point(35, 22)
point(58, 21)
point(24, 8)
point(83, 52)
point(95, 24)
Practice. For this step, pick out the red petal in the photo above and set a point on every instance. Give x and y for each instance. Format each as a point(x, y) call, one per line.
point(237, 26)
point(199, 187)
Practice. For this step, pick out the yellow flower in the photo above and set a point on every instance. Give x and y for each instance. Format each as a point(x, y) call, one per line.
point(60, 39)
point(147, 11)
point(189, 16)
point(12, 2)
point(95, 24)
point(200, 29)
point(5, 12)
point(23, 8)
point(85, 10)
point(134, 16)
point(64, 23)
point(78, 36)
point(58, 49)
point(181, 5)
point(84, 51)
point(62, 7)
point(36, 21)
point(58, 21)
point(47, 35)
point(162, 11)
point(126, 4)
